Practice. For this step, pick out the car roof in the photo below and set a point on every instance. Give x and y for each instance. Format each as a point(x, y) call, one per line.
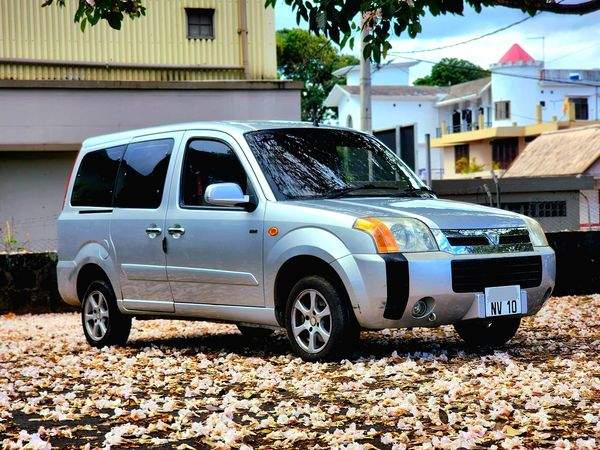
point(226, 126)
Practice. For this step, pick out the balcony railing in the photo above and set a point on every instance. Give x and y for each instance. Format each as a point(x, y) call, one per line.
point(450, 129)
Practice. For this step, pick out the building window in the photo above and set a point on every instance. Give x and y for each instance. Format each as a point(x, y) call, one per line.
point(502, 110)
point(538, 209)
point(461, 158)
point(504, 152)
point(581, 107)
point(200, 23)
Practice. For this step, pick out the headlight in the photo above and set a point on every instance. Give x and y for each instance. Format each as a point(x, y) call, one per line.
point(393, 235)
point(536, 234)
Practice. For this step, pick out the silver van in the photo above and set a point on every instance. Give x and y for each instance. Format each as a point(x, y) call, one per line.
point(322, 231)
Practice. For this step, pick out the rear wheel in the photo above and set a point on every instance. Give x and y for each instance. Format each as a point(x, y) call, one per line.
point(255, 332)
point(488, 332)
point(320, 325)
point(103, 323)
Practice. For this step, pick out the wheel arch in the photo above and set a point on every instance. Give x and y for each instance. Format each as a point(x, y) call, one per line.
point(90, 272)
point(296, 268)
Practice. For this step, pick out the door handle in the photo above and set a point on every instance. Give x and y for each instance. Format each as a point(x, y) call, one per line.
point(176, 231)
point(153, 231)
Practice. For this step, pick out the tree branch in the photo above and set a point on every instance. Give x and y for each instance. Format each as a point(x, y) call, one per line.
point(551, 6)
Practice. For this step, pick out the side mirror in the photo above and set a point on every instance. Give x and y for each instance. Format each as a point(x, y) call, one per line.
point(225, 194)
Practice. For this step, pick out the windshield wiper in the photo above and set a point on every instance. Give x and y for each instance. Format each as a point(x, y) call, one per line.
point(336, 193)
point(412, 192)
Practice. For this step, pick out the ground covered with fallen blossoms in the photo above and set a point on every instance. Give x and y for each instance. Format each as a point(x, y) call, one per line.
point(197, 385)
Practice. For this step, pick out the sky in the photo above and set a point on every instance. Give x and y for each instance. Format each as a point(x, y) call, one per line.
point(571, 42)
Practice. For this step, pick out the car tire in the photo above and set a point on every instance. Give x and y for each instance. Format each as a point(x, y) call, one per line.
point(488, 332)
point(103, 323)
point(319, 323)
point(255, 332)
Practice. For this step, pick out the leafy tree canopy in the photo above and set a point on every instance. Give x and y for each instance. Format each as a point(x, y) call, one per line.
point(113, 11)
point(451, 71)
point(302, 56)
point(336, 19)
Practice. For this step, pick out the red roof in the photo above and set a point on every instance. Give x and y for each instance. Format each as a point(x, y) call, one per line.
point(516, 54)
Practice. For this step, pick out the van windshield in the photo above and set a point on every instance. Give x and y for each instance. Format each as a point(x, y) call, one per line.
point(303, 163)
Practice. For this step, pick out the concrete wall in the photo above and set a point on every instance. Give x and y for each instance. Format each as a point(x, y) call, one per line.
point(32, 188)
point(38, 117)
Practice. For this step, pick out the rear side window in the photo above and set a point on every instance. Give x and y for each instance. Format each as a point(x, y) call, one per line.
point(207, 162)
point(95, 180)
point(141, 179)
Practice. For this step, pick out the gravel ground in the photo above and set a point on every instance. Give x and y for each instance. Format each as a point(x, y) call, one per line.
point(197, 385)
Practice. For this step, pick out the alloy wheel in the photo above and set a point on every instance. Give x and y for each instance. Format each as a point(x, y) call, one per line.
point(96, 315)
point(311, 321)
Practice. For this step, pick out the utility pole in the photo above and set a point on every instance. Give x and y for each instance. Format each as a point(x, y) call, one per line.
point(365, 84)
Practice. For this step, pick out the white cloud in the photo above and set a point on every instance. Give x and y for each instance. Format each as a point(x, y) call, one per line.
point(570, 41)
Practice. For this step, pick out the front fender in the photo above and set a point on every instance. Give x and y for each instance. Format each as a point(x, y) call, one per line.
point(306, 241)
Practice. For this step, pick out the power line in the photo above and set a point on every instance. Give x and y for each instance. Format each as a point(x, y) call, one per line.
point(456, 44)
point(575, 52)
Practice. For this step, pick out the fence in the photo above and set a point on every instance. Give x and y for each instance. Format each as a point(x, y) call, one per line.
point(32, 234)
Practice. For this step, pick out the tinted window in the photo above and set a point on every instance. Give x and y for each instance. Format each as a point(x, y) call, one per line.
point(141, 179)
point(308, 163)
point(207, 162)
point(96, 176)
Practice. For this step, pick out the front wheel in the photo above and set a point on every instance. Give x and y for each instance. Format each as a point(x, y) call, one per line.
point(488, 332)
point(103, 323)
point(320, 325)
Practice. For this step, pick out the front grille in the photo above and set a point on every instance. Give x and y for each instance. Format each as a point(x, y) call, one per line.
point(474, 275)
point(511, 239)
point(456, 241)
point(480, 241)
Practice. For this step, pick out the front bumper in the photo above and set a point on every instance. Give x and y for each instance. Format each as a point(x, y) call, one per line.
point(429, 276)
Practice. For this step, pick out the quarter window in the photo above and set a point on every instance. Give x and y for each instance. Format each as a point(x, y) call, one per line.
point(95, 180)
point(141, 179)
point(200, 23)
point(502, 110)
point(208, 162)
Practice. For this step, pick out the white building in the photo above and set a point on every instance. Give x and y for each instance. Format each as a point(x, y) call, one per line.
point(487, 121)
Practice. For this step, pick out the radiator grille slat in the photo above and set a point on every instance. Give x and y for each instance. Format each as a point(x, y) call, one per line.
point(474, 275)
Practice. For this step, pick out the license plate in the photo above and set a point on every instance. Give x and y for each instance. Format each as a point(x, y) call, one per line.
point(502, 301)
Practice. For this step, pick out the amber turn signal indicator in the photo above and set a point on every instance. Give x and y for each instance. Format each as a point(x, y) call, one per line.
point(385, 242)
point(273, 231)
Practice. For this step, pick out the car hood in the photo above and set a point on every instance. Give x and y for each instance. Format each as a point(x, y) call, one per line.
point(436, 213)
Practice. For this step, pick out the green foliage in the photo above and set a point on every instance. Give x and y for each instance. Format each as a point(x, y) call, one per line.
point(464, 166)
point(451, 71)
point(9, 240)
point(302, 56)
point(113, 11)
point(337, 19)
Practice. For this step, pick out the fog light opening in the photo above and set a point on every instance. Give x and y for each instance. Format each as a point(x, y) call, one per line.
point(422, 307)
point(431, 317)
